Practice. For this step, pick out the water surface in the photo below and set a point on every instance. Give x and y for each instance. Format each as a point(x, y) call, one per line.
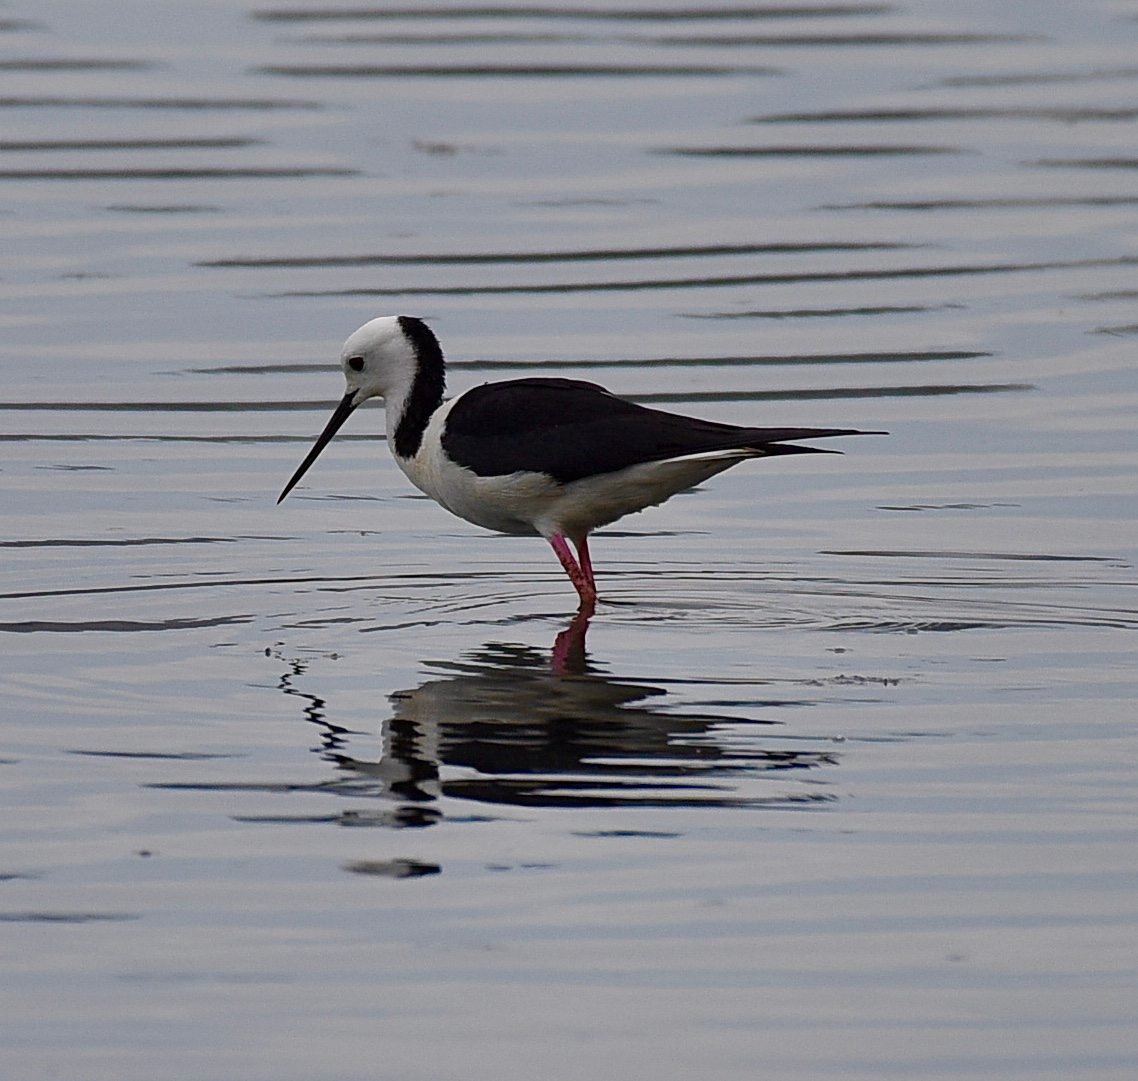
point(840, 779)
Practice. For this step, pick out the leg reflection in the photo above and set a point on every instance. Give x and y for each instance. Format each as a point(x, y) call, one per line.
point(569, 646)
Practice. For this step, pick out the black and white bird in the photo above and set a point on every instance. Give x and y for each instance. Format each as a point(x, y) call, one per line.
point(556, 458)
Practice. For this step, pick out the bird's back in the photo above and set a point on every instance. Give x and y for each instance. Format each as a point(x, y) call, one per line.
point(568, 429)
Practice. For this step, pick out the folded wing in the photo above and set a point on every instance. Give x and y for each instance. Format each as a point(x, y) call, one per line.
point(569, 429)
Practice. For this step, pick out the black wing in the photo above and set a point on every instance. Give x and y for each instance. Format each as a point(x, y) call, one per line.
point(570, 429)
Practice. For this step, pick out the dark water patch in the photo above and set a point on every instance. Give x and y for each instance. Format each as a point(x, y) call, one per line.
point(200, 173)
point(401, 868)
point(128, 626)
point(710, 13)
point(1063, 114)
point(533, 70)
point(679, 251)
point(218, 143)
point(842, 151)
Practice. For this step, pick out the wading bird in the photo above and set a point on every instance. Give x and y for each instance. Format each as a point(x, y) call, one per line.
point(555, 458)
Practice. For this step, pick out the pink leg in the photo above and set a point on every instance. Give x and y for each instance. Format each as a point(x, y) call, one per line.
point(581, 578)
point(586, 564)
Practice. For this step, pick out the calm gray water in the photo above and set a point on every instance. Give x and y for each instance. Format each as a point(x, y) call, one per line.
point(843, 780)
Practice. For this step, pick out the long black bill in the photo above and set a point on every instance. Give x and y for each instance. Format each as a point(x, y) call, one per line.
point(335, 423)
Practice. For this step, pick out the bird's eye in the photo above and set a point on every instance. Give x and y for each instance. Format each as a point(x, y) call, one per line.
point(356, 364)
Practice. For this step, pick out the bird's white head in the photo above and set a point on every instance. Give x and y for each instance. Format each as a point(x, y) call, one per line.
point(379, 359)
point(394, 357)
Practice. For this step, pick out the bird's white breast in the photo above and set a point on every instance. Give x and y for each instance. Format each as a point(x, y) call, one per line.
point(505, 504)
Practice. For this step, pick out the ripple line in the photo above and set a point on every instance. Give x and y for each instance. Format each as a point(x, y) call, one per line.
point(929, 391)
point(828, 41)
point(567, 256)
point(128, 144)
point(124, 542)
point(998, 203)
point(76, 64)
point(616, 14)
point(38, 626)
point(90, 102)
point(1065, 115)
point(511, 71)
point(65, 917)
point(850, 151)
point(716, 281)
point(203, 173)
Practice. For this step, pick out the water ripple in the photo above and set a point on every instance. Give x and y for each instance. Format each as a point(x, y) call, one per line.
point(717, 281)
point(94, 101)
point(228, 172)
point(1059, 114)
point(484, 258)
point(186, 143)
point(864, 150)
point(532, 70)
point(709, 13)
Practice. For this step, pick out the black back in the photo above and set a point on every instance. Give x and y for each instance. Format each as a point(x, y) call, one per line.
point(570, 429)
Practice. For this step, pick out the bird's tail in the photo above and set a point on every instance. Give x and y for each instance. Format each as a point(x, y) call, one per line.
point(774, 441)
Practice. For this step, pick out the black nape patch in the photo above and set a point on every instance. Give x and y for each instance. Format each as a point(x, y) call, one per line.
point(426, 388)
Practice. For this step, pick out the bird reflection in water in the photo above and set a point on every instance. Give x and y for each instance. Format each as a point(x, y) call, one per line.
point(511, 725)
